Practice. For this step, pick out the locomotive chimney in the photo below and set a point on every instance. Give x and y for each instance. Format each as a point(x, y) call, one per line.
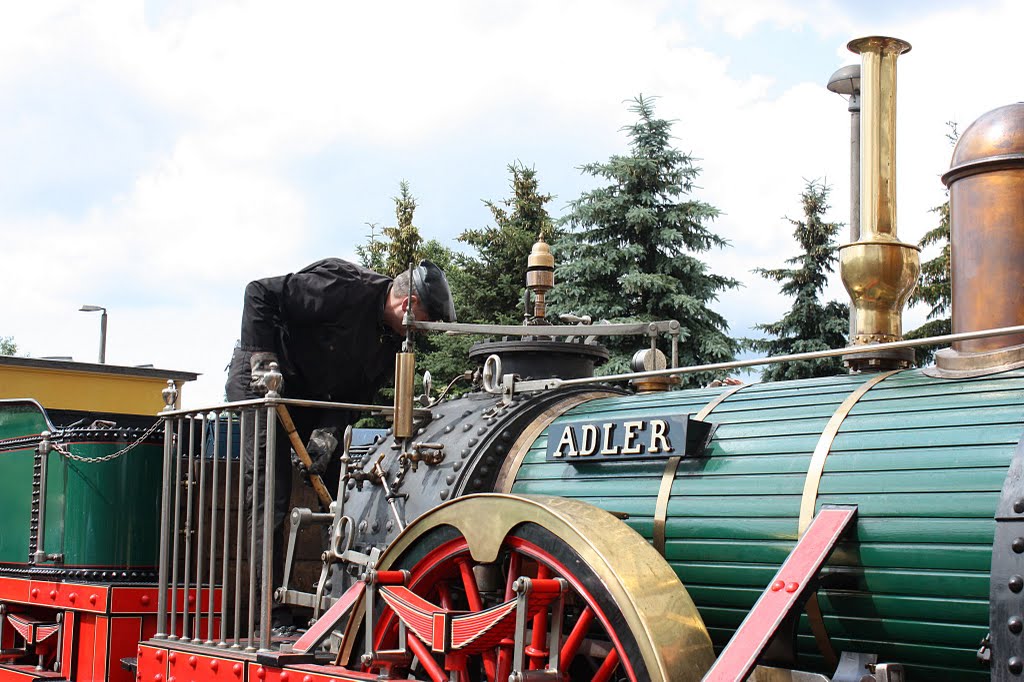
point(878, 270)
point(986, 183)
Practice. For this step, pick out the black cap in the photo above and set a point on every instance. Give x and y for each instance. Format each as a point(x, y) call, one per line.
point(432, 290)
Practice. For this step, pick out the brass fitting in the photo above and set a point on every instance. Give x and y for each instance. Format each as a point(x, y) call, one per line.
point(540, 275)
point(405, 368)
point(879, 271)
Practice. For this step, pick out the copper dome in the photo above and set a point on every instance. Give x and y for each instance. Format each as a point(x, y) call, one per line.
point(993, 140)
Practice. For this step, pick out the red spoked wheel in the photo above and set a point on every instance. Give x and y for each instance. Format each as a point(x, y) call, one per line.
point(624, 615)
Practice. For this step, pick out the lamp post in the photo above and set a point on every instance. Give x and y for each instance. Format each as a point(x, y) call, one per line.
point(846, 82)
point(103, 328)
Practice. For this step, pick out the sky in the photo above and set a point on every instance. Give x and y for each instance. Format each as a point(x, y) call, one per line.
point(157, 156)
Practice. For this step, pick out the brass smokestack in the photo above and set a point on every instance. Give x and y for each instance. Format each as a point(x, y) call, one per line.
point(878, 270)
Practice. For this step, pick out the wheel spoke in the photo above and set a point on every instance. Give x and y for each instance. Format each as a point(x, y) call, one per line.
point(579, 631)
point(469, 584)
point(444, 595)
point(425, 658)
point(604, 673)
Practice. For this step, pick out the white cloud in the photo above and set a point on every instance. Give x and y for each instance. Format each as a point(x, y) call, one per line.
point(245, 91)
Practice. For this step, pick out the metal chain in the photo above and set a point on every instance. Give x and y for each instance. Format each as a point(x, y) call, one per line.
point(114, 455)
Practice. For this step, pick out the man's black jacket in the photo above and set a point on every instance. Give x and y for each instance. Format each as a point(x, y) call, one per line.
point(324, 322)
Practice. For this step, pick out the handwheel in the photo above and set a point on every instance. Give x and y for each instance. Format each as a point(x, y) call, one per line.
point(624, 615)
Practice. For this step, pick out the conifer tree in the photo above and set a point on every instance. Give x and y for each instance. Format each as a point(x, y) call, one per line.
point(372, 255)
point(631, 251)
point(496, 276)
point(935, 287)
point(404, 240)
point(810, 325)
point(8, 346)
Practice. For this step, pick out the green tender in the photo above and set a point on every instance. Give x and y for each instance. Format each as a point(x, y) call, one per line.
point(99, 515)
point(924, 459)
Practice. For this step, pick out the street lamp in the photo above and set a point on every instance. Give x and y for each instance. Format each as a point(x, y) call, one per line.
point(846, 82)
point(103, 328)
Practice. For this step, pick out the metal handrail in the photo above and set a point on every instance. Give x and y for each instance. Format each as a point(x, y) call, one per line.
point(196, 519)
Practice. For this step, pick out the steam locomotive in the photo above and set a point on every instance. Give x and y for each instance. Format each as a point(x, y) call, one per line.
point(554, 525)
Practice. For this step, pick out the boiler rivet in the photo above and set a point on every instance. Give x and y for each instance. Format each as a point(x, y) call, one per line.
point(1018, 506)
point(1015, 665)
point(1016, 583)
point(1015, 625)
point(1018, 545)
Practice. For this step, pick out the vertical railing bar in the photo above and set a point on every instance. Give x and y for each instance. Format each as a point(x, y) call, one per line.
point(165, 519)
point(177, 530)
point(268, 528)
point(201, 510)
point(188, 525)
point(252, 525)
point(222, 637)
point(238, 528)
point(215, 463)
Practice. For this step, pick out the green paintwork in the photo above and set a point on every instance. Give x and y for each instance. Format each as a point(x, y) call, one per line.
point(19, 418)
point(98, 514)
point(924, 459)
point(104, 514)
point(15, 504)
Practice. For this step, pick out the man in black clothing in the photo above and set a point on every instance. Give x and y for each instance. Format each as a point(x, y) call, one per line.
point(333, 328)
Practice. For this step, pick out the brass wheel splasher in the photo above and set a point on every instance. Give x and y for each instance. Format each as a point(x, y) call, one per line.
point(878, 270)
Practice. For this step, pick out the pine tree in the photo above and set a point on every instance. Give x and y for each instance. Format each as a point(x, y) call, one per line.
point(630, 252)
point(935, 287)
point(405, 243)
point(496, 276)
point(372, 255)
point(810, 325)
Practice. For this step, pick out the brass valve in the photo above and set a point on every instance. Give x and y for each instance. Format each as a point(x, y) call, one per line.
point(430, 454)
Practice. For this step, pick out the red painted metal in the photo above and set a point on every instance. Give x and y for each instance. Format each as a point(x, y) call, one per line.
point(449, 562)
point(331, 617)
point(784, 592)
point(426, 660)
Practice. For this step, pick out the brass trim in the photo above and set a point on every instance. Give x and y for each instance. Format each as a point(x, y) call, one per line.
point(810, 496)
point(821, 450)
point(517, 453)
point(668, 477)
point(817, 622)
point(655, 605)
